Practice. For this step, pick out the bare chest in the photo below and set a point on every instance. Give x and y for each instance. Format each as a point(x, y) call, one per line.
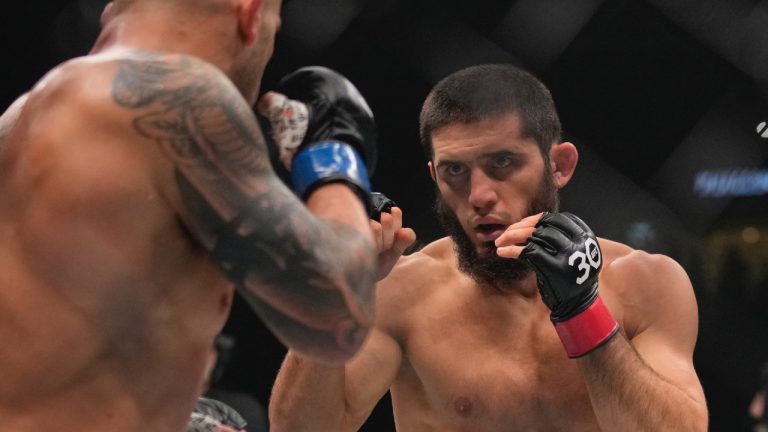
point(485, 370)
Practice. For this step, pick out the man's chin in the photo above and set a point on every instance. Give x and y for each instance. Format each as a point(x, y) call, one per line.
point(478, 259)
point(485, 266)
point(485, 249)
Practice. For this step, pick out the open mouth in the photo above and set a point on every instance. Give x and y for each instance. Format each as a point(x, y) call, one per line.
point(489, 228)
point(489, 232)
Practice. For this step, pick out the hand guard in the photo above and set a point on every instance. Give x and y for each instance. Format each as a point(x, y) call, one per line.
point(567, 259)
point(380, 204)
point(340, 139)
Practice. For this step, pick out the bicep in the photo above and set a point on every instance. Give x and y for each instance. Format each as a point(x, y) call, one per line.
point(370, 374)
point(292, 268)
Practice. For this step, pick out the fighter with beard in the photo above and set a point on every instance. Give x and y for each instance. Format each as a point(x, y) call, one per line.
point(520, 320)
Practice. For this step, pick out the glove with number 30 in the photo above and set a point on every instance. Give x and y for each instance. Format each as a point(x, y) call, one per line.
point(567, 260)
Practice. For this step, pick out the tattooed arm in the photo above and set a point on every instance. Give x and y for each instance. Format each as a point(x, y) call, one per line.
point(310, 279)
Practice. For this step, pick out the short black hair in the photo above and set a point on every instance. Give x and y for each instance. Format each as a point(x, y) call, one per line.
point(487, 91)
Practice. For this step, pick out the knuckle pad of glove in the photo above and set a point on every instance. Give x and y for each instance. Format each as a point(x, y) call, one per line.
point(551, 239)
point(569, 257)
point(562, 222)
point(580, 223)
point(337, 110)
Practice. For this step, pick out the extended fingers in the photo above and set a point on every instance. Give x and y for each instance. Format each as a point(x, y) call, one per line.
point(512, 241)
point(404, 238)
point(269, 103)
point(385, 232)
point(514, 235)
point(513, 251)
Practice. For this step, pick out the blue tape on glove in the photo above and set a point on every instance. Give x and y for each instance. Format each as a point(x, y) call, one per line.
point(327, 161)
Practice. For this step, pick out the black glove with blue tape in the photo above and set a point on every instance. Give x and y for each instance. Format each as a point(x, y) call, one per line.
point(324, 130)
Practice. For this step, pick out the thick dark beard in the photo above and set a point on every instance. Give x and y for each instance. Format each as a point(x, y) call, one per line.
point(487, 267)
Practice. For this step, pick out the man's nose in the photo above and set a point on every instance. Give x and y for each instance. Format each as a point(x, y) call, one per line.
point(482, 193)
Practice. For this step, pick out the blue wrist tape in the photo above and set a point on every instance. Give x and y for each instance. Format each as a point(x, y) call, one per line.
point(325, 162)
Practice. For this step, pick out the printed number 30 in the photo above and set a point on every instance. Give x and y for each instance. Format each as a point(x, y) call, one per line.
point(588, 259)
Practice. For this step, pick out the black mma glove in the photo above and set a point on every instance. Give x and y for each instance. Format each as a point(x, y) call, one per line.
point(380, 204)
point(567, 259)
point(325, 131)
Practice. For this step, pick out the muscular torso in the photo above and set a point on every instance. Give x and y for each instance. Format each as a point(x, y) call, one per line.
point(480, 361)
point(107, 309)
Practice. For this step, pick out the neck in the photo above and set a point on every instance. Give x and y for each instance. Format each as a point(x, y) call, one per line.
point(524, 287)
point(167, 31)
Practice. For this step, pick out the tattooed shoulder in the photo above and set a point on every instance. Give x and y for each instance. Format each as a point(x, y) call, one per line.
point(191, 109)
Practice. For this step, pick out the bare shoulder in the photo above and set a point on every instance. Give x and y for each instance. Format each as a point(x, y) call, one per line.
point(645, 285)
point(10, 116)
point(125, 79)
point(415, 278)
point(636, 266)
point(423, 268)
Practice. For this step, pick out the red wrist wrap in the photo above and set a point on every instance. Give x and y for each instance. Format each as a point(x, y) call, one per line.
point(587, 330)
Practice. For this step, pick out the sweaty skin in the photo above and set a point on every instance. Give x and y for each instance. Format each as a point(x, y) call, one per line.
point(479, 360)
point(135, 193)
point(98, 293)
point(460, 356)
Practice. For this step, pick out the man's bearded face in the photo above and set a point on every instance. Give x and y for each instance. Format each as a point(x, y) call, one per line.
point(484, 266)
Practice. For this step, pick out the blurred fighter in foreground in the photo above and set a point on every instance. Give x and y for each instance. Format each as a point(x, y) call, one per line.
point(510, 324)
point(136, 191)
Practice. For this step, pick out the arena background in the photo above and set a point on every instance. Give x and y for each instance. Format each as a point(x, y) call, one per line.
point(665, 100)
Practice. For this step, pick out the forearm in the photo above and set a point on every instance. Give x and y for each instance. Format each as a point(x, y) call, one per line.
point(307, 396)
point(310, 278)
point(627, 394)
point(315, 288)
point(338, 202)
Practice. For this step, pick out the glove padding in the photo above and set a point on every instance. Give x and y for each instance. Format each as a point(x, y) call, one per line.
point(566, 257)
point(336, 110)
point(324, 131)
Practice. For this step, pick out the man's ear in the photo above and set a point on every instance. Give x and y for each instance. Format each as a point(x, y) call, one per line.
point(563, 158)
point(432, 171)
point(249, 15)
point(106, 14)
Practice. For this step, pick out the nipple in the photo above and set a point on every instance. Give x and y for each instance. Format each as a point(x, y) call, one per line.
point(463, 406)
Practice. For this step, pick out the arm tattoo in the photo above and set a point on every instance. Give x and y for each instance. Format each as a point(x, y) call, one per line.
point(311, 281)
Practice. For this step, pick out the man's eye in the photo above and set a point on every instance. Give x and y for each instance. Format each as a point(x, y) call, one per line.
point(502, 161)
point(455, 169)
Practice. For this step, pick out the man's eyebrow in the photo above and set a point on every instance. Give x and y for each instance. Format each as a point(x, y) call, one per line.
point(504, 152)
point(446, 160)
point(513, 154)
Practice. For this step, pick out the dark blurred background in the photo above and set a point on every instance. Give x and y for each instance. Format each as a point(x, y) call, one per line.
point(665, 99)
